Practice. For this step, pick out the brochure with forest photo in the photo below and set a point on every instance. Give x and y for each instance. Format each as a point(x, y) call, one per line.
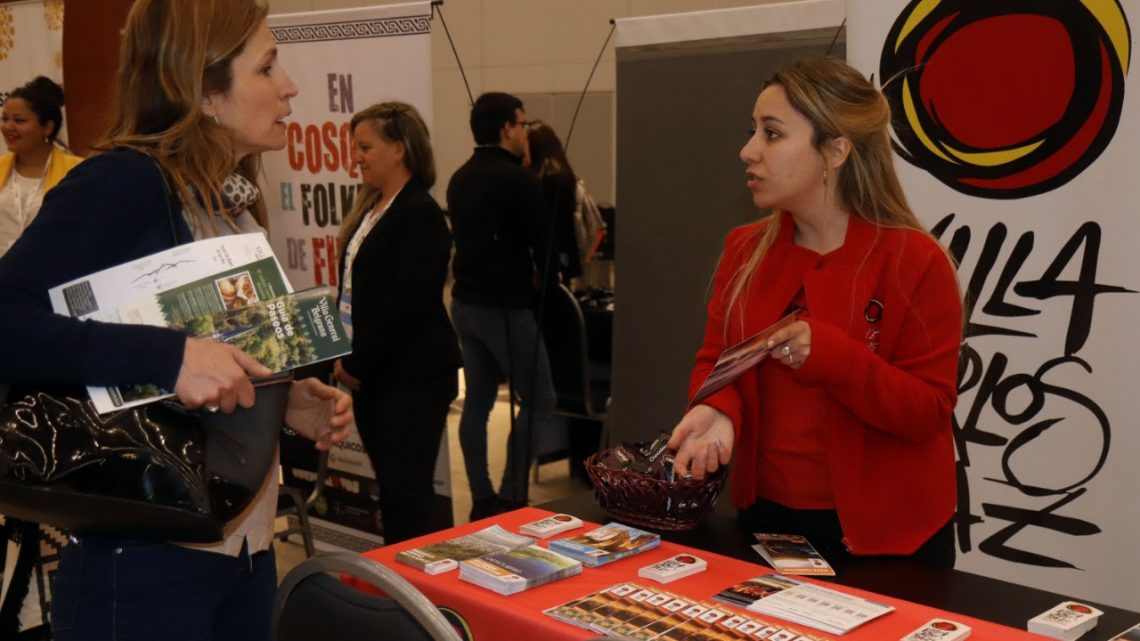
point(282, 333)
point(443, 556)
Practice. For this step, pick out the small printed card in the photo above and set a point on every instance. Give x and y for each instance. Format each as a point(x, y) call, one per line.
point(791, 554)
point(1067, 621)
point(552, 525)
point(939, 630)
point(673, 568)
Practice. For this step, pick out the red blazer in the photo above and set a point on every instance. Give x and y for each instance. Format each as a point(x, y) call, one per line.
point(888, 397)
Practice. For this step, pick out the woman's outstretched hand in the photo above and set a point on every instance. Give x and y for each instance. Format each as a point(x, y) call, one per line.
point(318, 412)
point(703, 440)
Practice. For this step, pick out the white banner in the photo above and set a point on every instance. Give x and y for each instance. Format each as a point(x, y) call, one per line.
point(31, 44)
point(1017, 146)
point(343, 61)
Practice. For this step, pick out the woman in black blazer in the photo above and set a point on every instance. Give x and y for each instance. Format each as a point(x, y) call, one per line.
point(395, 248)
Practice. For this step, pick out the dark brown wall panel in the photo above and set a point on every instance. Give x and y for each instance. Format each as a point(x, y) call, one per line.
point(90, 57)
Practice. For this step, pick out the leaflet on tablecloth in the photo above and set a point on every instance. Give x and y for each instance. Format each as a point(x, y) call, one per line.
point(446, 555)
point(636, 612)
point(821, 608)
point(606, 544)
point(517, 570)
point(791, 554)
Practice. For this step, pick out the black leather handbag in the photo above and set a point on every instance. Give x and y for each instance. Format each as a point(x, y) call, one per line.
point(157, 471)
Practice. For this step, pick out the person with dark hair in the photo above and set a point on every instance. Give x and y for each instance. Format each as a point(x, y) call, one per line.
point(395, 248)
point(559, 189)
point(843, 434)
point(30, 123)
point(498, 219)
point(490, 113)
point(201, 94)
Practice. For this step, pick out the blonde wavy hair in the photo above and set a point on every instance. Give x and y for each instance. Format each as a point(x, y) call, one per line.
point(840, 102)
point(174, 53)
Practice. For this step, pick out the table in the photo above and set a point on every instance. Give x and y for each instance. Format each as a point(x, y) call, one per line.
point(976, 596)
point(490, 616)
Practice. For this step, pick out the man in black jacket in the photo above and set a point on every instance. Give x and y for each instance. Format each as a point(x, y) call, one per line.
point(498, 219)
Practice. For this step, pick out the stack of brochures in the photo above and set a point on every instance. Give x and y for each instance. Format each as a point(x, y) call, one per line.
point(518, 570)
point(606, 544)
point(791, 554)
point(446, 555)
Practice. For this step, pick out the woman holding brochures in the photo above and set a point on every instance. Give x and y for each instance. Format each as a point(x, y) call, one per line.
point(405, 358)
point(843, 433)
point(200, 95)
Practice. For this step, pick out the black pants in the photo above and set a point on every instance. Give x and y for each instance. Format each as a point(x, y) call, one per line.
point(822, 530)
point(401, 425)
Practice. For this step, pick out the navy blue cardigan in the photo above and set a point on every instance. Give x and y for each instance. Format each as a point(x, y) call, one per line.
point(111, 209)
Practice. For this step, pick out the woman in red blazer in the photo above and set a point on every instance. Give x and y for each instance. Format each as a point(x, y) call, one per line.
point(844, 433)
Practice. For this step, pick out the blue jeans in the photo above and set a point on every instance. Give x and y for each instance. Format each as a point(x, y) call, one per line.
point(498, 342)
point(115, 589)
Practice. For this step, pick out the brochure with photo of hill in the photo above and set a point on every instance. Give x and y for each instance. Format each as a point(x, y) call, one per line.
point(446, 555)
point(519, 569)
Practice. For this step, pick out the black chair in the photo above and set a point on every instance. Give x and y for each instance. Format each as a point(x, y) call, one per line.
point(290, 501)
point(311, 604)
point(580, 395)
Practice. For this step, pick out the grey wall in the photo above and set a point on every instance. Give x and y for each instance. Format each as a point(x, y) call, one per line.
point(683, 113)
point(590, 147)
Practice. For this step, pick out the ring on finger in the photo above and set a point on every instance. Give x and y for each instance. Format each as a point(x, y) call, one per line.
point(786, 350)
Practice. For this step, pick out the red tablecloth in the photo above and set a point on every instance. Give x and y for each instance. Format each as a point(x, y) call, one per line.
point(491, 617)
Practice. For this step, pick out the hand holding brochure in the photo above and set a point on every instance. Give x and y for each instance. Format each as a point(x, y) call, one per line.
point(739, 358)
point(202, 289)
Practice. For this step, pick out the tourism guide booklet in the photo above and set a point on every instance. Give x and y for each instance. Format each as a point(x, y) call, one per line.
point(517, 570)
point(229, 288)
point(637, 612)
point(606, 544)
point(791, 554)
point(446, 555)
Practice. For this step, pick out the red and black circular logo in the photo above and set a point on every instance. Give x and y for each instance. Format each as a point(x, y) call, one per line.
point(685, 558)
point(1002, 98)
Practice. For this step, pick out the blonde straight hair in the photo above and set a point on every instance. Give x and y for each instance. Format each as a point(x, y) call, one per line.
point(840, 102)
point(174, 53)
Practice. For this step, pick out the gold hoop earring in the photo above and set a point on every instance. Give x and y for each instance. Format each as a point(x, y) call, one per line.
point(217, 120)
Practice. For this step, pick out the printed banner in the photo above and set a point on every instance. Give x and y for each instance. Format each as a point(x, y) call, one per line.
point(342, 61)
point(1015, 136)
